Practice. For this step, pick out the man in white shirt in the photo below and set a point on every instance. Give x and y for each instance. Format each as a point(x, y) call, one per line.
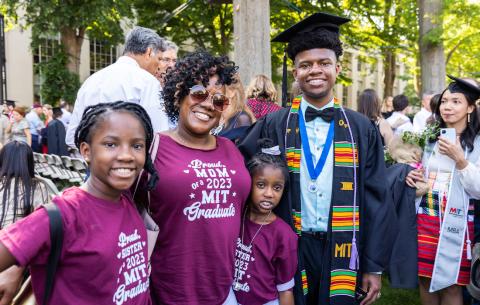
point(130, 79)
point(36, 125)
point(168, 60)
point(399, 121)
point(65, 118)
point(420, 119)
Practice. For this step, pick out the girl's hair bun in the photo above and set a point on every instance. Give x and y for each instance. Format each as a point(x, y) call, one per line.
point(264, 143)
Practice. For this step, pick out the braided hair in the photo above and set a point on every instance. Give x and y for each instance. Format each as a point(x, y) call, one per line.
point(261, 159)
point(94, 115)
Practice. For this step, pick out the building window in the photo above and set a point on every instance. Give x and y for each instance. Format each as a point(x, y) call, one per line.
point(45, 50)
point(101, 55)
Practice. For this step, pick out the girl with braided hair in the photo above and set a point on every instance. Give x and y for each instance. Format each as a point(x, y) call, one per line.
point(104, 250)
point(266, 254)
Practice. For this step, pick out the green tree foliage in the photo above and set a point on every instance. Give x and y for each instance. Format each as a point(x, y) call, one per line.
point(97, 18)
point(462, 38)
point(72, 20)
point(208, 24)
point(190, 23)
point(58, 82)
point(387, 26)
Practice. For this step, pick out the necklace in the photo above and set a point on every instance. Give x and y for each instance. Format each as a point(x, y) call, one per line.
point(236, 284)
point(258, 231)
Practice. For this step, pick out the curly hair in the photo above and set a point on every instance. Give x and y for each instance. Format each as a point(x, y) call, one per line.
point(319, 38)
point(193, 69)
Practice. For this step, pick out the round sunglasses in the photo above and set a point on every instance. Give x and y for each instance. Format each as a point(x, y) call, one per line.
point(199, 94)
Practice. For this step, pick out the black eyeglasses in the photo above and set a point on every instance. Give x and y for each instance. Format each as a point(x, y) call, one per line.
point(199, 94)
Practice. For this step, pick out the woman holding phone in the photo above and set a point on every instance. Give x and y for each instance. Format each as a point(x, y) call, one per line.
point(445, 213)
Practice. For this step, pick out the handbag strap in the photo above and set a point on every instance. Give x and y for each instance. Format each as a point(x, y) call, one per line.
point(153, 155)
point(56, 240)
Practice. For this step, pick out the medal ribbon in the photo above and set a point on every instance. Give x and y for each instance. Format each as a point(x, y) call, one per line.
point(314, 172)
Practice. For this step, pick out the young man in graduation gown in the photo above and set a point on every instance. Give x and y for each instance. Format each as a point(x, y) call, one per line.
point(335, 195)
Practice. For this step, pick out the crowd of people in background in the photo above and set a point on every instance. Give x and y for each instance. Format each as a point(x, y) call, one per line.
point(255, 203)
point(42, 127)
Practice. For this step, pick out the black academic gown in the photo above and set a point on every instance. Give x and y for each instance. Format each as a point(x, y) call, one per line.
point(377, 217)
point(403, 267)
point(56, 138)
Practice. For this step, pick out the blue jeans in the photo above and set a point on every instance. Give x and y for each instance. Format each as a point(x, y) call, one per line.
point(36, 143)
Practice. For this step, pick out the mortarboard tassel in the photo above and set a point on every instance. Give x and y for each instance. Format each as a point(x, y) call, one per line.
point(354, 256)
point(284, 81)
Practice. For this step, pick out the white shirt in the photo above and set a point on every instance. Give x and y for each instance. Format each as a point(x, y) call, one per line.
point(316, 206)
point(66, 115)
point(420, 120)
point(124, 81)
point(407, 126)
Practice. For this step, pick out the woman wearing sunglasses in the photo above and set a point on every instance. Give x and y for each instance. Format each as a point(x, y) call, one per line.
point(237, 117)
point(202, 188)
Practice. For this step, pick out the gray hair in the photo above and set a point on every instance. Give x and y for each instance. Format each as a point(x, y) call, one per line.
point(170, 45)
point(140, 39)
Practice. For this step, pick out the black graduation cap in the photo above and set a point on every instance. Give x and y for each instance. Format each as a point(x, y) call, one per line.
point(10, 102)
point(470, 90)
point(57, 112)
point(326, 21)
point(309, 24)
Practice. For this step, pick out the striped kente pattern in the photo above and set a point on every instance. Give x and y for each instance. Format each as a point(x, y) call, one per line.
point(342, 218)
point(336, 103)
point(296, 104)
point(293, 159)
point(297, 222)
point(304, 282)
point(344, 155)
point(342, 282)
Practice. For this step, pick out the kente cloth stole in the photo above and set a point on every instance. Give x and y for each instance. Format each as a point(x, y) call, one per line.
point(344, 216)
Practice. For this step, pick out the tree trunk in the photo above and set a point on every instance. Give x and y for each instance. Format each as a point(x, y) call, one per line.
point(432, 56)
point(389, 64)
point(72, 43)
point(251, 32)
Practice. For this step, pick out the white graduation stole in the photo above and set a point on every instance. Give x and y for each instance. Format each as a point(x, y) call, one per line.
point(453, 230)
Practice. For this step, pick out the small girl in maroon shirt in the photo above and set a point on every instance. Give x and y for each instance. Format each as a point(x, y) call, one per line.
point(266, 252)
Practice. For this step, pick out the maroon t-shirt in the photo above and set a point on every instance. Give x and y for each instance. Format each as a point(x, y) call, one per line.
point(197, 204)
point(267, 265)
point(104, 251)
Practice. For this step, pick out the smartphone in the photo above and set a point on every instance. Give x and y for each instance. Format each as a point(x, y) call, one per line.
point(449, 134)
point(360, 294)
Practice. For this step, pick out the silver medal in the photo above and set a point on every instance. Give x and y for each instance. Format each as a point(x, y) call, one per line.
point(312, 186)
